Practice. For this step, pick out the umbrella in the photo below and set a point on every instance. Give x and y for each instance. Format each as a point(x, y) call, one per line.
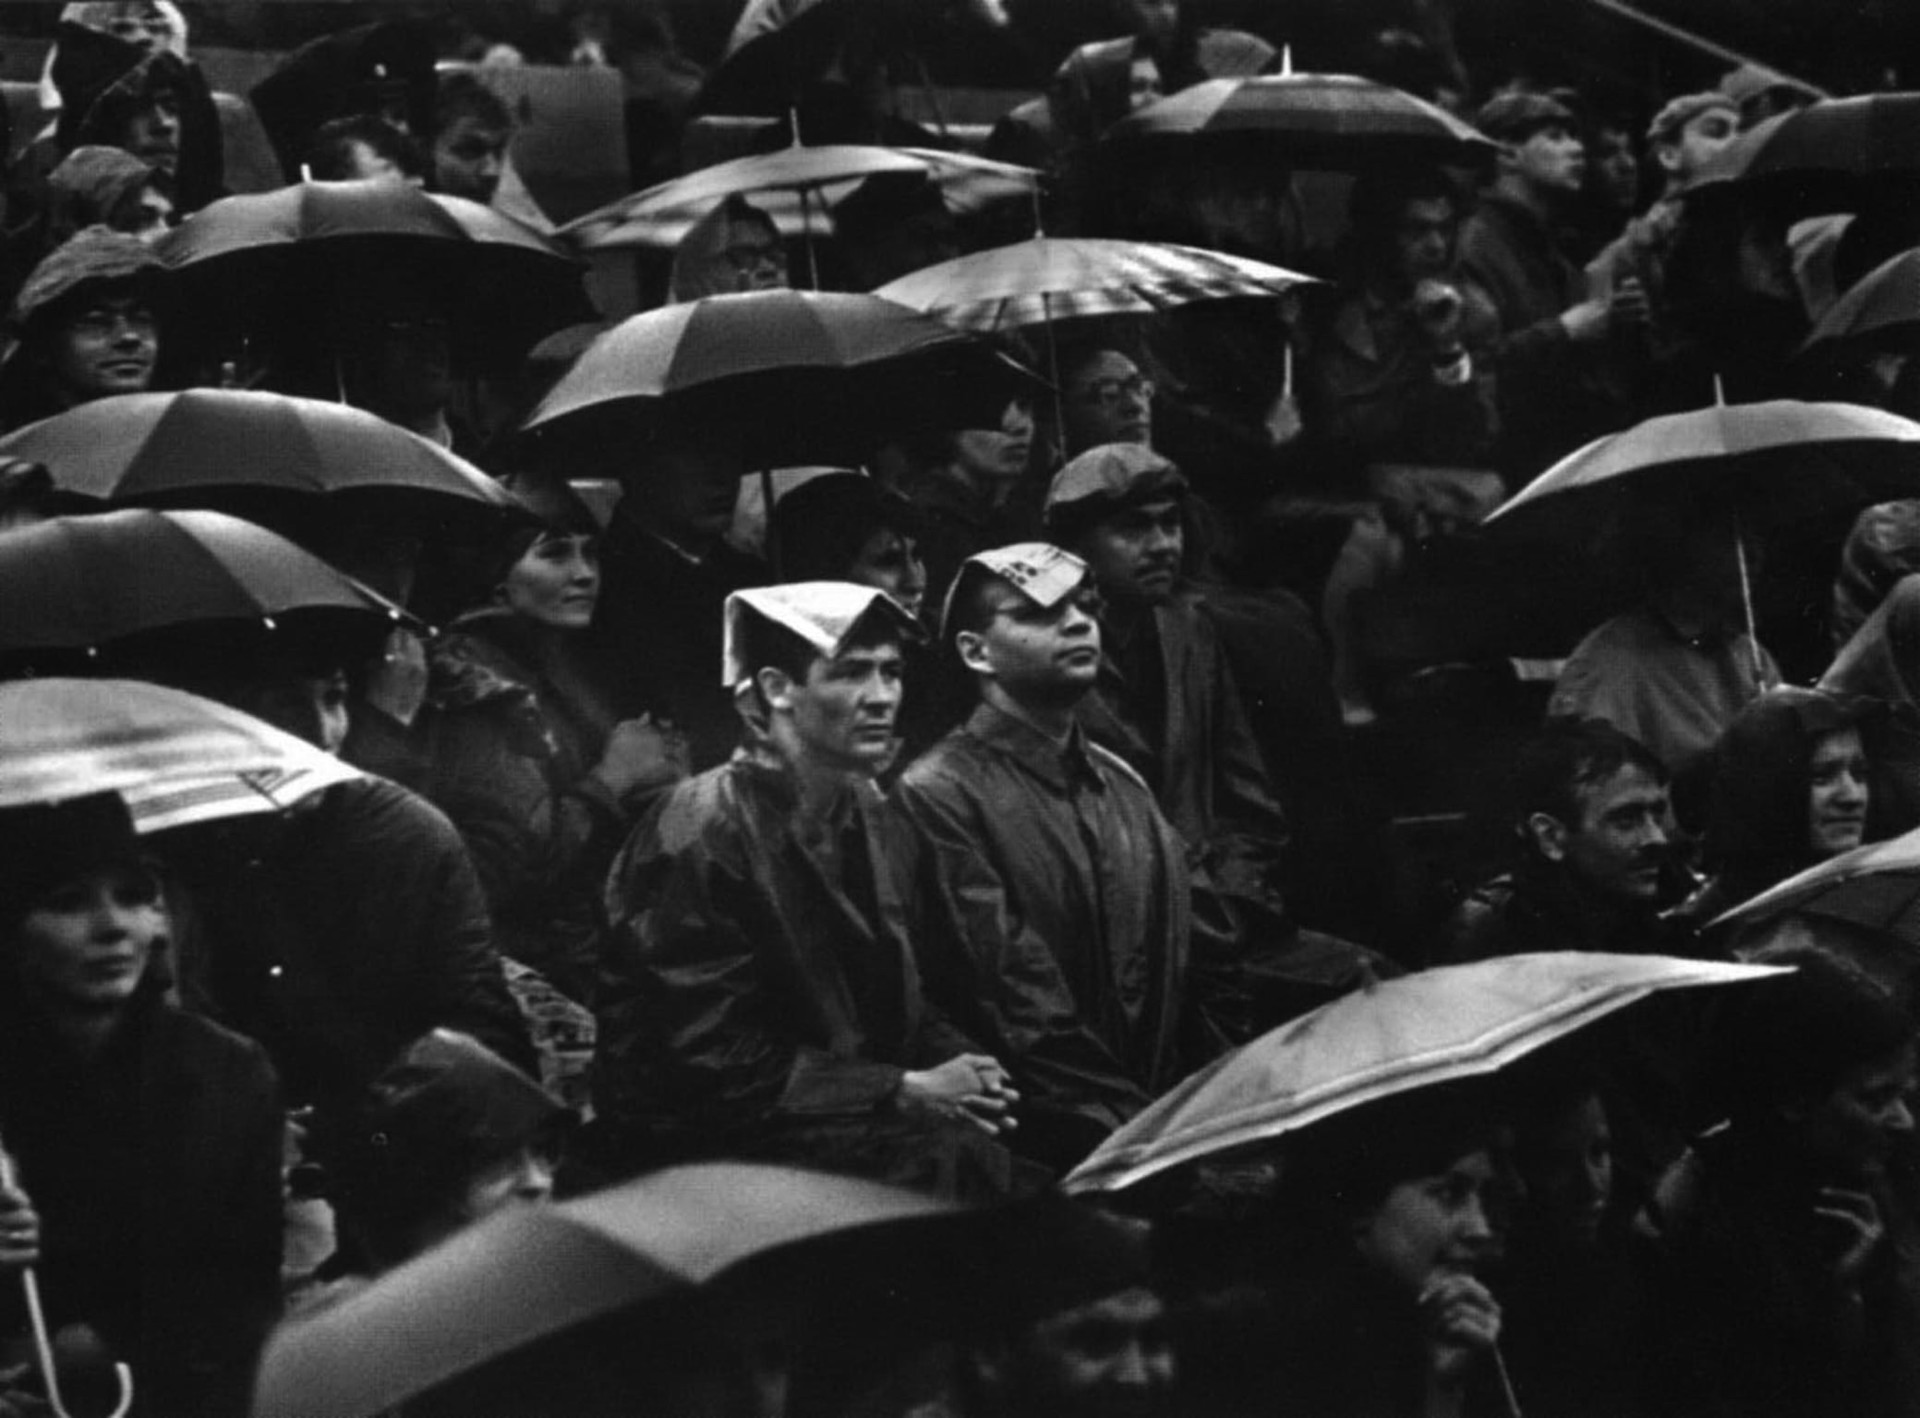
point(805, 376)
point(531, 1272)
point(176, 758)
point(1437, 1026)
point(1883, 303)
point(779, 183)
point(1876, 885)
point(235, 449)
point(78, 582)
point(1332, 121)
point(1050, 278)
point(264, 257)
point(1836, 155)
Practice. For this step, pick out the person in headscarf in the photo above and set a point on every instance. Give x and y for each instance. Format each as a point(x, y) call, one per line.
point(735, 247)
point(1882, 663)
point(101, 186)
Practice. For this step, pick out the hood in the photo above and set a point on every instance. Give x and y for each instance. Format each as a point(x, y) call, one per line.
point(89, 184)
point(101, 78)
point(96, 254)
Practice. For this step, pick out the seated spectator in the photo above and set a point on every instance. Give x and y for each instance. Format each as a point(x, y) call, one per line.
point(1882, 663)
point(735, 247)
point(87, 327)
point(1594, 851)
point(1789, 789)
point(1787, 1291)
point(147, 1140)
point(99, 186)
point(363, 147)
point(761, 997)
point(847, 527)
point(472, 128)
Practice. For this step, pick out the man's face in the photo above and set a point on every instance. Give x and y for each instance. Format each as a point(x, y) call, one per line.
point(889, 561)
point(107, 346)
point(152, 133)
point(1620, 840)
point(844, 712)
point(757, 258)
point(1837, 793)
point(1619, 169)
point(1143, 82)
point(1155, 21)
point(147, 214)
point(1865, 1115)
point(998, 455)
point(1104, 1360)
point(1134, 553)
point(141, 23)
point(1107, 400)
point(1429, 1227)
point(1703, 135)
point(468, 157)
point(1423, 239)
point(310, 707)
point(1044, 654)
point(1552, 160)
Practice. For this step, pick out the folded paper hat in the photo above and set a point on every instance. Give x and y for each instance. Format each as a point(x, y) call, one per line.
point(825, 614)
point(1040, 571)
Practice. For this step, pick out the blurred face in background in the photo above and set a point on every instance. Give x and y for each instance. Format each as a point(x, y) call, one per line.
point(889, 561)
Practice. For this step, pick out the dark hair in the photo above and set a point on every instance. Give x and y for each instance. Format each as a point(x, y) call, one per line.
point(330, 154)
point(969, 607)
point(460, 94)
point(1376, 202)
point(1344, 1167)
point(820, 526)
point(1570, 755)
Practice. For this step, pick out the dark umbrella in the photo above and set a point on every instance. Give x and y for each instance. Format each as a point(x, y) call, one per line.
point(245, 452)
point(83, 582)
point(805, 377)
point(1883, 304)
point(256, 261)
point(1838, 155)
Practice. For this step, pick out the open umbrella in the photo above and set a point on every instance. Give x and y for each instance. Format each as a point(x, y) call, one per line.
point(251, 261)
point(1437, 1026)
point(1875, 885)
point(236, 450)
point(804, 377)
point(1836, 155)
point(1052, 278)
point(82, 582)
point(534, 1271)
point(1884, 304)
point(1337, 122)
point(796, 187)
point(174, 757)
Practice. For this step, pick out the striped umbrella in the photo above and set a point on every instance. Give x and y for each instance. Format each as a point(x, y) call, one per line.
point(1054, 278)
point(1333, 121)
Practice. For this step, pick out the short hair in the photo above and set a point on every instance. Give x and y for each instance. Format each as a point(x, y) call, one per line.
point(972, 609)
point(1570, 755)
point(1375, 204)
point(330, 155)
point(820, 526)
point(460, 94)
point(1346, 1166)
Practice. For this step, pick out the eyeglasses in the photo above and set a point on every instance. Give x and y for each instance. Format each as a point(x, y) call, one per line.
point(747, 259)
point(1111, 393)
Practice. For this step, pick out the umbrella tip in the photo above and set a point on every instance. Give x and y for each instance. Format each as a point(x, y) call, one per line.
point(1286, 61)
point(1719, 393)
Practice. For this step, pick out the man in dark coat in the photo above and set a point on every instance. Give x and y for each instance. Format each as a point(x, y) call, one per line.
point(761, 998)
point(1056, 892)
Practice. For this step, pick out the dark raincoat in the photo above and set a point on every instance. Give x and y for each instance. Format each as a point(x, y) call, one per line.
point(1882, 662)
point(343, 932)
point(1057, 916)
point(513, 749)
point(155, 1168)
point(760, 997)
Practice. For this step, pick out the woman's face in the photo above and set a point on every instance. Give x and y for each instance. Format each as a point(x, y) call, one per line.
point(556, 582)
point(1837, 798)
point(889, 562)
point(86, 944)
point(1429, 1227)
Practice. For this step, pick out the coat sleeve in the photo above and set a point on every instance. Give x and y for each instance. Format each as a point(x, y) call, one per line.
point(985, 965)
point(691, 1035)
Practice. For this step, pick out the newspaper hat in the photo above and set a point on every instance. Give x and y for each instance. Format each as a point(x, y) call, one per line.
point(1040, 571)
point(825, 614)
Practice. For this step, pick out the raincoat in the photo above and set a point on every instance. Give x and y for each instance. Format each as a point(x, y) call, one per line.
point(759, 994)
point(1881, 662)
point(1057, 916)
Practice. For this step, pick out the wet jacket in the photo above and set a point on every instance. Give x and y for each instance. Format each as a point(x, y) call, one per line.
point(758, 985)
point(512, 751)
point(1057, 913)
point(155, 1168)
point(1882, 662)
point(339, 935)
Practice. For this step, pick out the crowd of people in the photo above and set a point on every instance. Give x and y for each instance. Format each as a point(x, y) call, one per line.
point(925, 819)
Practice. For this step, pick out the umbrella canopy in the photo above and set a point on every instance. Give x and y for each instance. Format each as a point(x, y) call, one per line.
point(260, 258)
point(1778, 462)
point(663, 214)
point(1437, 1026)
point(1835, 155)
point(235, 449)
point(1876, 885)
point(1051, 278)
point(1882, 304)
point(176, 758)
point(1333, 121)
point(533, 1271)
point(80, 582)
point(805, 376)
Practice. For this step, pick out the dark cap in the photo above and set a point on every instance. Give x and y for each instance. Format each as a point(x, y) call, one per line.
point(1109, 477)
point(1517, 116)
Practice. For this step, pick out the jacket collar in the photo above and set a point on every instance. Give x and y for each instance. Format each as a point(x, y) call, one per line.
point(1057, 765)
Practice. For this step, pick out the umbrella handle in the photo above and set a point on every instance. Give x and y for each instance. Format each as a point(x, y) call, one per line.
point(42, 1345)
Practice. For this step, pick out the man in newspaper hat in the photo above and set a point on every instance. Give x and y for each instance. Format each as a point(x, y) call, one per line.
point(760, 997)
point(1055, 891)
